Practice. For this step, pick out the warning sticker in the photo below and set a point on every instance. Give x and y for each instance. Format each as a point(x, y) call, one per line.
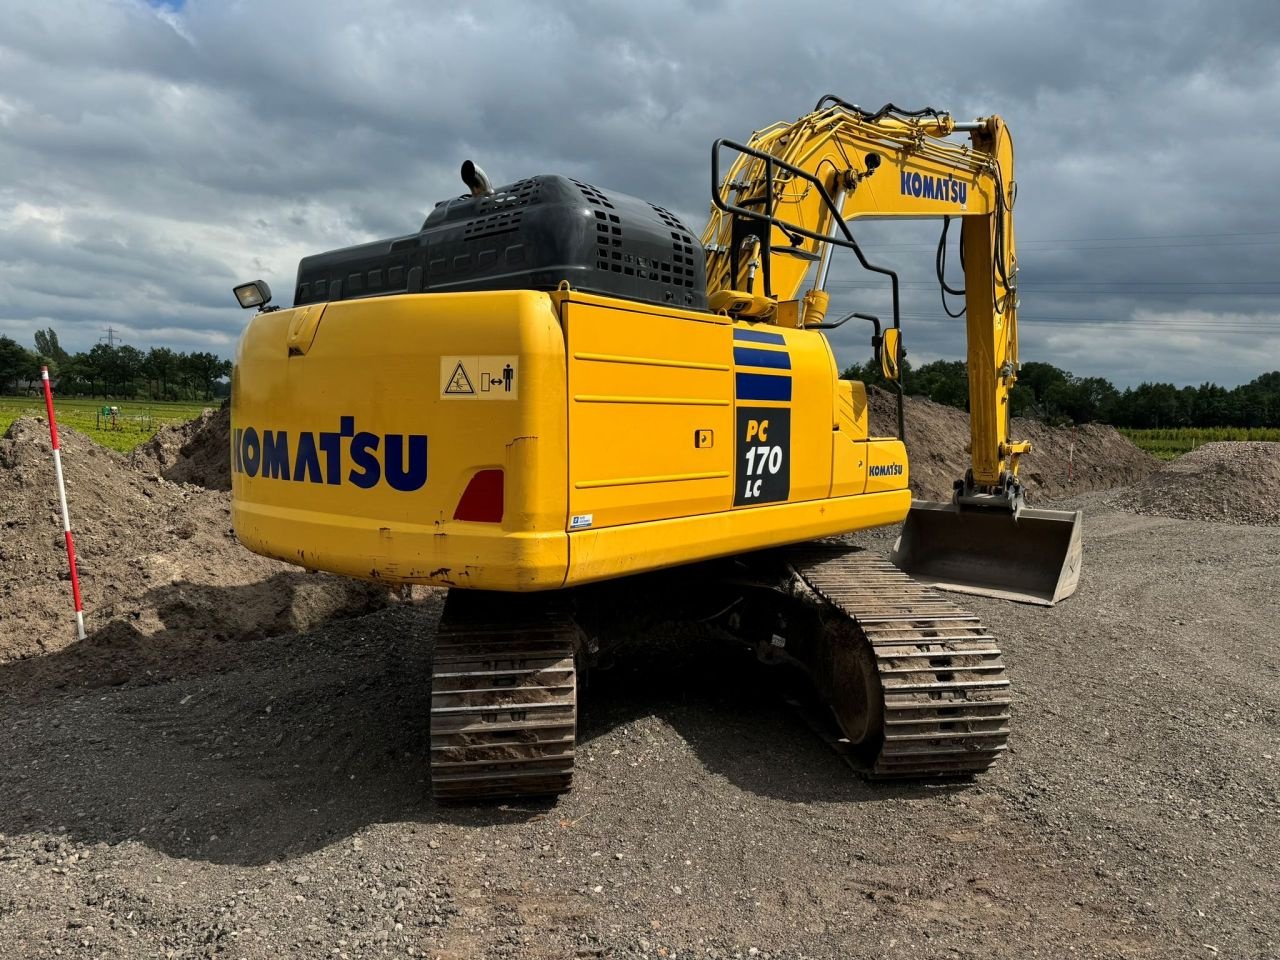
point(480, 378)
point(459, 382)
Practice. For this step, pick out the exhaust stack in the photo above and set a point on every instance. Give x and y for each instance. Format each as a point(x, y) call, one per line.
point(477, 180)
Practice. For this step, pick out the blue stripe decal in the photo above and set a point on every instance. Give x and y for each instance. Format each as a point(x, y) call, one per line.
point(756, 336)
point(763, 386)
point(750, 357)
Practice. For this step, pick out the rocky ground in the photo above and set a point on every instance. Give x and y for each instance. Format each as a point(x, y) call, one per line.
point(270, 798)
point(1230, 481)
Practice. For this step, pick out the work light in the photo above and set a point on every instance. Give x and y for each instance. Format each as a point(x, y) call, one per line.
point(255, 294)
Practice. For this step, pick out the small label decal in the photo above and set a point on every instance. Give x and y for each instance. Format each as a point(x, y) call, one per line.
point(480, 378)
point(580, 521)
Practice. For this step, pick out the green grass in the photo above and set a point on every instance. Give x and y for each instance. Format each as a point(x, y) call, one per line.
point(137, 420)
point(1169, 443)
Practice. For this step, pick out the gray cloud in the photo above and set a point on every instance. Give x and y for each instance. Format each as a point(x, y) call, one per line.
point(152, 156)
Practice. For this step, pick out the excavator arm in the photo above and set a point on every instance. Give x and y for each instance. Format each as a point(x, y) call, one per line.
point(783, 207)
point(781, 211)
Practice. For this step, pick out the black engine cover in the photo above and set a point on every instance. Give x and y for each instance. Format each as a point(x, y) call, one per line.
point(530, 235)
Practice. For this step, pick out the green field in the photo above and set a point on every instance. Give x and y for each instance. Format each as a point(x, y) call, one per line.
point(1170, 443)
point(136, 421)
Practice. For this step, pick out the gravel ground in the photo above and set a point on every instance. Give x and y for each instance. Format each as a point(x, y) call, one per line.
point(1233, 481)
point(270, 799)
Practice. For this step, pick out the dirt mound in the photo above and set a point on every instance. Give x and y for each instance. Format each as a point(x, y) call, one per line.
point(1063, 461)
point(158, 562)
point(1230, 481)
point(197, 451)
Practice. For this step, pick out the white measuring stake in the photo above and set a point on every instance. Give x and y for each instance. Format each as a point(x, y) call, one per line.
point(62, 497)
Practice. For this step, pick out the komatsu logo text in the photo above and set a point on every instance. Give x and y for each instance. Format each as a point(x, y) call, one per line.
point(927, 187)
point(342, 456)
point(885, 470)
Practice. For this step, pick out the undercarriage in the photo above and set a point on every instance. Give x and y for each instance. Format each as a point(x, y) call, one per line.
point(916, 685)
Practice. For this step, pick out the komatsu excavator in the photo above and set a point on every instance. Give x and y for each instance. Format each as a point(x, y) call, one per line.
point(556, 402)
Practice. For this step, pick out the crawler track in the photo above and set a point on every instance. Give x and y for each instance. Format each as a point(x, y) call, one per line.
point(503, 699)
point(917, 683)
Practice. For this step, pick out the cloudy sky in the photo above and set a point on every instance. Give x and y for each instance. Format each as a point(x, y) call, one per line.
point(154, 154)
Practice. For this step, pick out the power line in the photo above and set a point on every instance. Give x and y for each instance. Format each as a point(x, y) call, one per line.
point(1172, 324)
point(1116, 288)
point(1055, 283)
point(1115, 243)
point(1027, 315)
point(1163, 236)
point(872, 246)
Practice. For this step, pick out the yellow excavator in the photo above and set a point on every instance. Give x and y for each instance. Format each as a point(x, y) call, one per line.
point(555, 401)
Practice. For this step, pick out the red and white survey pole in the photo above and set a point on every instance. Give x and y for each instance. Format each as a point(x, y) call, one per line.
point(62, 497)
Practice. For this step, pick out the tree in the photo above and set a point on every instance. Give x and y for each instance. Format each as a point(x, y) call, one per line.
point(943, 381)
point(1022, 400)
point(106, 364)
point(1038, 377)
point(205, 369)
point(15, 362)
point(870, 373)
point(32, 372)
point(129, 362)
point(161, 365)
point(47, 346)
point(1151, 405)
point(1081, 399)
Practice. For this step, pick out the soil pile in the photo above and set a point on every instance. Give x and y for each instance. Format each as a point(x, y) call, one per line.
point(158, 562)
point(1063, 461)
point(1230, 481)
point(197, 451)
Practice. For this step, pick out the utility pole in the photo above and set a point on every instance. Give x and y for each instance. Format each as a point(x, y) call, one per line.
point(111, 337)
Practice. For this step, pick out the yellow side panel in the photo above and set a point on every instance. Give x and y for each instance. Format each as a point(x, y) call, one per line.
point(851, 409)
point(650, 414)
point(849, 465)
point(887, 467)
point(602, 554)
point(849, 441)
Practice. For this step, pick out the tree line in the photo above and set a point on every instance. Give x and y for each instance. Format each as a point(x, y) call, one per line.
point(119, 372)
point(1043, 391)
point(1050, 393)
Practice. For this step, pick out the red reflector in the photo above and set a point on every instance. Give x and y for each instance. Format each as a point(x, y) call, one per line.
point(482, 500)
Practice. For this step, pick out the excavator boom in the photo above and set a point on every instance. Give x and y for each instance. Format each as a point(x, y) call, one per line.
point(778, 215)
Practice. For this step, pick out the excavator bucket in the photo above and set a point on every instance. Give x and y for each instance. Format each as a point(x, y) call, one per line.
point(1033, 558)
